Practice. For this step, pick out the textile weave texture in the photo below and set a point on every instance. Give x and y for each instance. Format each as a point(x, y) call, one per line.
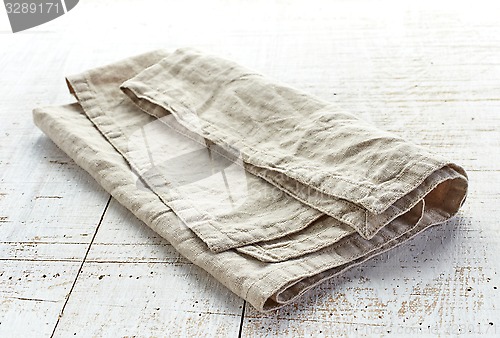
point(269, 189)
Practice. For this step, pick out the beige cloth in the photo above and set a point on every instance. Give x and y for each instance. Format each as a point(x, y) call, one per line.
point(267, 188)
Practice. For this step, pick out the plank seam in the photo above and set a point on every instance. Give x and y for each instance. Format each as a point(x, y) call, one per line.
point(242, 319)
point(81, 266)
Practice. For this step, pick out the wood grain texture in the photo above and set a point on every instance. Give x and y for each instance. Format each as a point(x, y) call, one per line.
point(133, 273)
point(32, 294)
point(428, 71)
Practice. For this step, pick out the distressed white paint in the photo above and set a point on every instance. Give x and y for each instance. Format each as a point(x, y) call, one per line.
point(429, 71)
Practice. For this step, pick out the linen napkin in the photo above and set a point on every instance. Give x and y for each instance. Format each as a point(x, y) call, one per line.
point(269, 189)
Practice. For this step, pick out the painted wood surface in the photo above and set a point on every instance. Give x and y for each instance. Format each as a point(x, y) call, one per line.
point(73, 262)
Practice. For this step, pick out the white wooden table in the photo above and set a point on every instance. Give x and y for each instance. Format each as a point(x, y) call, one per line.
point(73, 262)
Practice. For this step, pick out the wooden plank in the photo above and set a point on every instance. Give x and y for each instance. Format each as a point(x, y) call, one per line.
point(49, 208)
point(32, 294)
point(152, 299)
point(133, 283)
point(44, 198)
point(51, 200)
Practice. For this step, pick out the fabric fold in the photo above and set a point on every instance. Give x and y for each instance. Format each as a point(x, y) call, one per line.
point(267, 188)
point(329, 160)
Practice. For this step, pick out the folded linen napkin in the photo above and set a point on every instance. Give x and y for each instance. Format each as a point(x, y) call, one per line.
point(267, 188)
